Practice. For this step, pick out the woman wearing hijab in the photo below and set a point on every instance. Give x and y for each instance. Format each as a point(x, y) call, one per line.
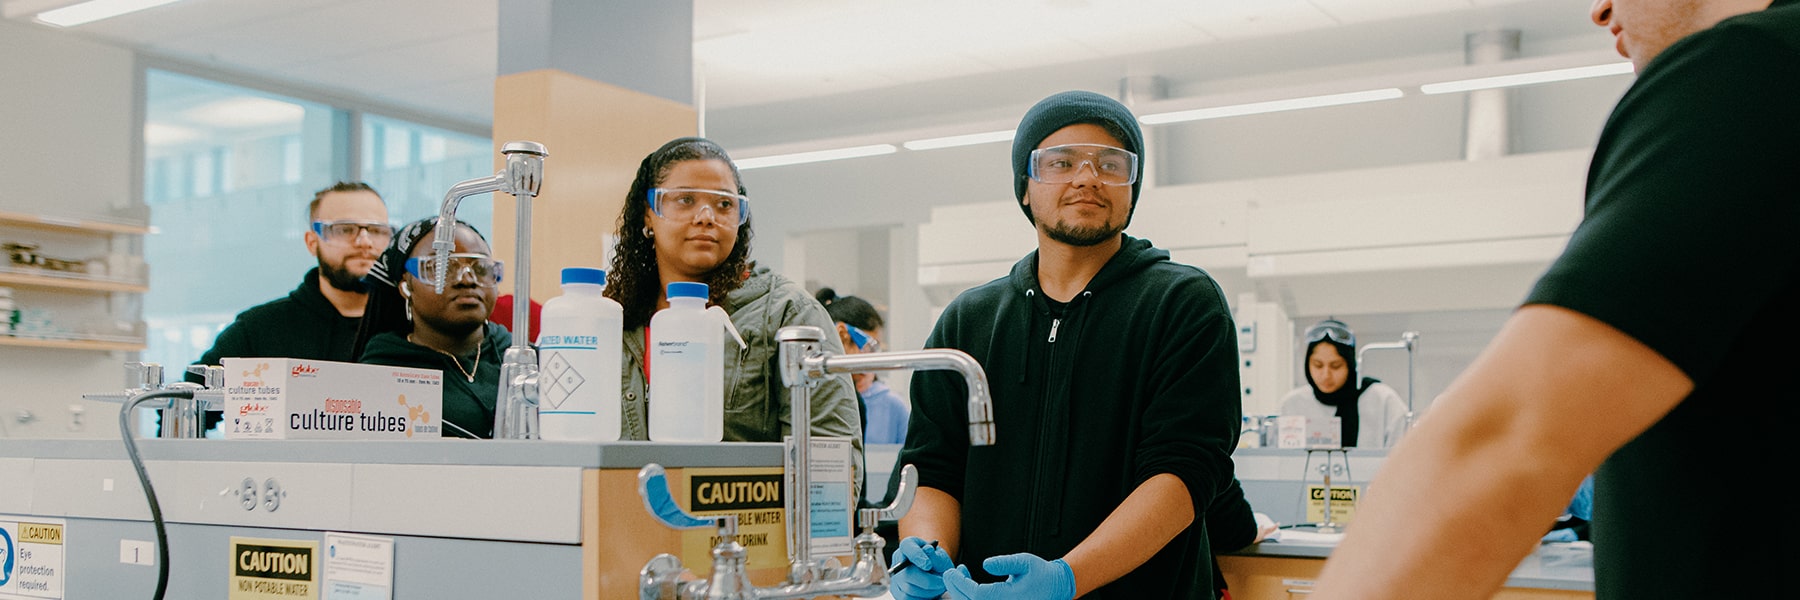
point(1372, 414)
point(408, 323)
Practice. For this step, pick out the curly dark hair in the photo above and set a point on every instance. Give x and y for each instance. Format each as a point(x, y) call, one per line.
point(633, 281)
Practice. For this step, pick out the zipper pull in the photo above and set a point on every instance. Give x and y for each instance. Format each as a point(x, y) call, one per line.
point(1054, 324)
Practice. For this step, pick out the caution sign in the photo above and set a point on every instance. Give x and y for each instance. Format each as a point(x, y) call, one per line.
point(754, 494)
point(31, 557)
point(263, 569)
point(1343, 503)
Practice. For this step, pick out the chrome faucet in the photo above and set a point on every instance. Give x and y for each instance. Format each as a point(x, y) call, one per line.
point(805, 364)
point(515, 411)
point(1409, 341)
point(182, 416)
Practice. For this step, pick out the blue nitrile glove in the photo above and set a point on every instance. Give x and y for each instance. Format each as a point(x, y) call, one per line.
point(1027, 576)
point(923, 575)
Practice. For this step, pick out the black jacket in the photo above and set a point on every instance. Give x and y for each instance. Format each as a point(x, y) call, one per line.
point(302, 325)
point(468, 405)
point(1137, 377)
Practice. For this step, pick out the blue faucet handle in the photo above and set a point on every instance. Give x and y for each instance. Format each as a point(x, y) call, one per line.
point(653, 486)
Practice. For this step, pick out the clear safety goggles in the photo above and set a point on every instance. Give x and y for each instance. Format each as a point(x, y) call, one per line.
point(683, 204)
point(1331, 328)
point(486, 271)
point(346, 231)
point(1062, 164)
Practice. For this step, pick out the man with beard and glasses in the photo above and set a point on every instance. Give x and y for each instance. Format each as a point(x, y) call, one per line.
point(1114, 379)
point(348, 229)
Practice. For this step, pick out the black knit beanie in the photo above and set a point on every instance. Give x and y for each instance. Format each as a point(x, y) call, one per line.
point(1063, 110)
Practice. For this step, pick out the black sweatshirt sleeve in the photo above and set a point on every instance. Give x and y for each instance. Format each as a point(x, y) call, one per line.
point(1196, 408)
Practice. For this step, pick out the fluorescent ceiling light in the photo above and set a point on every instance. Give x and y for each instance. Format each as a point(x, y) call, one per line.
point(160, 134)
point(94, 10)
point(1485, 83)
point(1256, 108)
point(960, 140)
point(245, 111)
point(815, 156)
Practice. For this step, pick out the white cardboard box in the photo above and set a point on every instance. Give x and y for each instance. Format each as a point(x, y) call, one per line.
point(1294, 431)
point(295, 399)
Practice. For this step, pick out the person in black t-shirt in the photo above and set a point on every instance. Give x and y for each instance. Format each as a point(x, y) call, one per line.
point(1645, 339)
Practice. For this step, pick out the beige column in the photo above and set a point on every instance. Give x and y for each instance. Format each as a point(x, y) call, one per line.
point(597, 134)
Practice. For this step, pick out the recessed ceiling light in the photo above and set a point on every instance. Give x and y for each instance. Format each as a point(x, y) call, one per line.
point(1501, 81)
point(815, 156)
point(1256, 108)
point(94, 10)
point(960, 140)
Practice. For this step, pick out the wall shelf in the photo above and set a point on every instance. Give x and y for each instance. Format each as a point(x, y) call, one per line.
point(71, 344)
point(15, 278)
point(49, 223)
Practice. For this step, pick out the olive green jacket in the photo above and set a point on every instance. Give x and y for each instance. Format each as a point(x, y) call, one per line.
point(756, 402)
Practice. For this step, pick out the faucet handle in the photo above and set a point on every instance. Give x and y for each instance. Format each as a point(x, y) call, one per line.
point(213, 375)
point(868, 518)
point(653, 486)
point(143, 376)
point(524, 167)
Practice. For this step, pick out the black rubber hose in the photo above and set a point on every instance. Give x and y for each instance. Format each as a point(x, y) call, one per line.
point(156, 518)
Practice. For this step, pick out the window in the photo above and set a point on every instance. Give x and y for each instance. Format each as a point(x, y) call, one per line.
point(413, 166)
point(228, 174)
point(218, 179)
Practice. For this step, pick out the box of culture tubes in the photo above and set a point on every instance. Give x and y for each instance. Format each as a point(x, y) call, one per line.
point(294, 399)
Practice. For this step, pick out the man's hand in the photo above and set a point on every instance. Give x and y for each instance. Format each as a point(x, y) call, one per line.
point(1027, 576)
point(922, 575)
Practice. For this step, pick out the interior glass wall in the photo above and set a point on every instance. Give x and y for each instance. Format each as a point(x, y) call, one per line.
point(229, 172)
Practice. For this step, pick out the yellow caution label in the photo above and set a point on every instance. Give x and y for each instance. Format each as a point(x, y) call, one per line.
point(1343, 503)
point(754, 494)
point(40, 533)
point(266, 569)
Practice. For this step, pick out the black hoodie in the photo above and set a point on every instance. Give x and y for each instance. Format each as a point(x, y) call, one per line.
point(1136, 377)
point(302, 325)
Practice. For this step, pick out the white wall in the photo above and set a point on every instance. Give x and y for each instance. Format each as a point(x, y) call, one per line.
point(66, 148)
point(1552, 128)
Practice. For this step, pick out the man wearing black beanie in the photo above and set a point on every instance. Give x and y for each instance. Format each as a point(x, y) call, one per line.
point(1114, 379)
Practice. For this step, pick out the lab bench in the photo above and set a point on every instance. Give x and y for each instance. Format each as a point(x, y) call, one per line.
point(1275, 480)
point(465, 519)
point(1279, 571)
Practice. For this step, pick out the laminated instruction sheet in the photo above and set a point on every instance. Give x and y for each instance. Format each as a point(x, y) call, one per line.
point(833, 502)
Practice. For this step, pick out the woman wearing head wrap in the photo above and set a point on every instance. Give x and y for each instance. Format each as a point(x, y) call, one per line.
point(409, 323)
point(687, 218)
point(1371, 413)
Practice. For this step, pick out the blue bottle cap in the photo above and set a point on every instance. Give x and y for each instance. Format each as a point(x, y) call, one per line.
point(687, 289)
point(583, 275)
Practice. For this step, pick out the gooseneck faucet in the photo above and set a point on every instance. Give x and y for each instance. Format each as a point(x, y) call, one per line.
point(515, 411)
point(804, 365)
point(1409, 341)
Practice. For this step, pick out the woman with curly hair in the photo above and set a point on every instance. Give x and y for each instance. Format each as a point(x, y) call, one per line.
point(687, 218)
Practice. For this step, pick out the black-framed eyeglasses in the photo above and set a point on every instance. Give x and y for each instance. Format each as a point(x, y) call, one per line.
point(346, 231)
point(485, 269)
point(1331, 328)
point(683, 204)
point(1062, 164)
